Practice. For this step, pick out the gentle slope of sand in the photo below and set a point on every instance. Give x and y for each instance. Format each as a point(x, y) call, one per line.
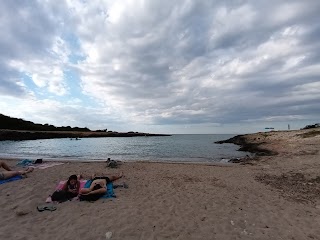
point(273, 197)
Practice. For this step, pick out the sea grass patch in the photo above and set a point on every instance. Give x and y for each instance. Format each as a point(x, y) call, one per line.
point(309, 134)
point(296, 187)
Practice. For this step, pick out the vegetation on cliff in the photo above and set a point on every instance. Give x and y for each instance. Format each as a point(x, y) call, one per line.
point(10, 123)
point(19, 129)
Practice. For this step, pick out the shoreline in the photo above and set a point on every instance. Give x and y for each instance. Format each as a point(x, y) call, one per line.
point(207, 163)
point(229, 153)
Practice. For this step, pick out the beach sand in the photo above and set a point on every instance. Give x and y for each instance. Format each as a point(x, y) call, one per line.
point(271, 197)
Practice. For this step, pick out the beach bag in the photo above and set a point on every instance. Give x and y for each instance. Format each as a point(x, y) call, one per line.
point(112, 164)
point(59, 196)
point(38, 161)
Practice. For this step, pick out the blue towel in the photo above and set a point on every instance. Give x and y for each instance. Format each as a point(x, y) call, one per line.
point(10, 179)
point(25, 163)
point(108, 194)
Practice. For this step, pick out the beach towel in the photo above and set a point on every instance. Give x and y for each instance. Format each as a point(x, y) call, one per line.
point(60, 186)
point(86, 184)
point(109, 194)
point(25, 162)
point(10, 179)
point(45, 165)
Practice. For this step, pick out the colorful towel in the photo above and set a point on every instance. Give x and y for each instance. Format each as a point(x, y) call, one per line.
point(108, 194)
point(86, 184)
point(46, 165)
point(10, 179)
point(60, 186)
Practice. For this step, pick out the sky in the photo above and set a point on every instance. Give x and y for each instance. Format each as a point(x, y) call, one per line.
point(161, 66)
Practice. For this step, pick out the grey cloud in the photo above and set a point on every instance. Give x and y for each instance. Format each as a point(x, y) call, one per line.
point(9, 81)
point(27, 30)
point(177, 59)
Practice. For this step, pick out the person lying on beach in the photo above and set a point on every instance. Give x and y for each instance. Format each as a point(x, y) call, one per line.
point(98, 186)
point(69, 190)
point(72, 186)
point(11, 173)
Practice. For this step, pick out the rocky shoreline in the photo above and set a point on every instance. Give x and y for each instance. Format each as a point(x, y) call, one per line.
point(273, 143)
point(247, 146)
point(15, 135)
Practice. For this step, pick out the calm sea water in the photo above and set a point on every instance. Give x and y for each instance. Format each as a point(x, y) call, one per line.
point(184, 148)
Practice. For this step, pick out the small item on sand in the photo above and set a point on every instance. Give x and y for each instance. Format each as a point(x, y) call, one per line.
point(108, 235)
point(22, 212)
point(123, 185)
point(49, 200)
point(38, 161)
point(112, 163)
point(49, 207)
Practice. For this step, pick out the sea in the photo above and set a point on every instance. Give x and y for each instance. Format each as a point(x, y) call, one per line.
point(175, 148)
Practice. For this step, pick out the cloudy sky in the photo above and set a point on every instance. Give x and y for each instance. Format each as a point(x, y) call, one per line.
point(161, 66)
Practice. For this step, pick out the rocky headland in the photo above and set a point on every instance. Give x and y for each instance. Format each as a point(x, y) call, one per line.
point(18, 135)
point(276, 142)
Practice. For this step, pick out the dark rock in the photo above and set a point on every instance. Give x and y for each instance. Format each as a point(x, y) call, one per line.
point(235, 160)
point(317, 125)
point(246, 146)
point(22, 212)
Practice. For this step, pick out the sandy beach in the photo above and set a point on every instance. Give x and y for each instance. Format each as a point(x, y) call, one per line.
point(269, 197)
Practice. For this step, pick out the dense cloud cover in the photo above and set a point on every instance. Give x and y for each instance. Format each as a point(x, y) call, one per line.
point(161, 66)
